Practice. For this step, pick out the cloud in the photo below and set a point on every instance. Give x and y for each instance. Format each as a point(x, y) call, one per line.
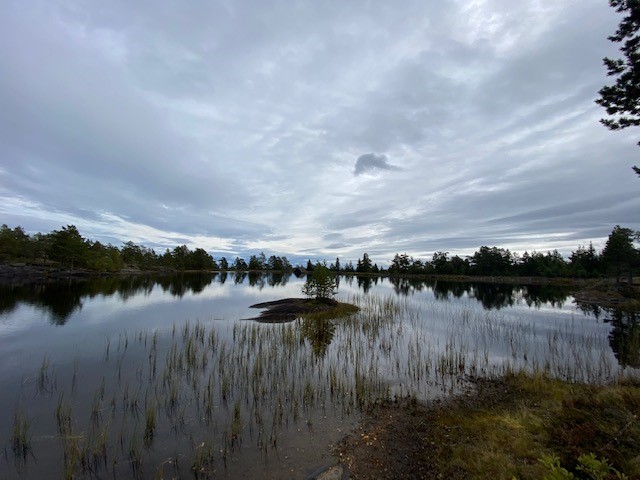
point(371, 161)
point(208, 124)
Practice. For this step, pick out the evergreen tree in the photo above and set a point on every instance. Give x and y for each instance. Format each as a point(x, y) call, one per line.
point(619, 252)
point(68, 247)
point(239, 264)
point(364, 265)
point(622, 99)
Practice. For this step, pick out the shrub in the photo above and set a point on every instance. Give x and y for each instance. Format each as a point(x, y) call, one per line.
point(321, 283)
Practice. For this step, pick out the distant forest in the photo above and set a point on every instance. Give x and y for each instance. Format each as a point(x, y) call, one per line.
point(66, 248)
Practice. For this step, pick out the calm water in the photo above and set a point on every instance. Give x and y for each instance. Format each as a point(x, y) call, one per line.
point(151, 377)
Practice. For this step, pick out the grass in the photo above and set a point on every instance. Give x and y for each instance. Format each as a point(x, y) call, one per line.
point(336, 311)
point(243, 385)
point(150, 424)
point(20, 437)
point(505, 428)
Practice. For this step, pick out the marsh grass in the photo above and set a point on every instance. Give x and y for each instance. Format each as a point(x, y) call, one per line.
point(150, 424)
point(20, 437)
point(242, 385)
point(509, 424)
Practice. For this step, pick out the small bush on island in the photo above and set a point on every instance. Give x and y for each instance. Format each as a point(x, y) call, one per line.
point(321, 283)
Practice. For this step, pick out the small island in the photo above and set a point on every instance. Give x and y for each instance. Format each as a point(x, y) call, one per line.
point(320, 288)
point(288, 309)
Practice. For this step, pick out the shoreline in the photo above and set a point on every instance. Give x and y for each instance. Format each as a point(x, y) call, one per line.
point(603, 292)
point(500, 428)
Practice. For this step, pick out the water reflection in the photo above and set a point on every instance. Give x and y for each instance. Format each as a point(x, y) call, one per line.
point(204, 372)
point(319, 333)
point(60, 299)
point(625, 337)
point(492, 296)
point(365, 282)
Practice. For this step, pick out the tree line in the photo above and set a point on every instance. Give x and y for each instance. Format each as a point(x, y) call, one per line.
point(619, 256)
point(67, 248)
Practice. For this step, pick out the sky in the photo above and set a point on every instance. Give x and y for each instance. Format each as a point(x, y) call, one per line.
point(314, 129)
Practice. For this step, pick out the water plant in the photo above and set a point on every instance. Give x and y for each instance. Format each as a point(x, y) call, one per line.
point(245, 384)
point(20, 436)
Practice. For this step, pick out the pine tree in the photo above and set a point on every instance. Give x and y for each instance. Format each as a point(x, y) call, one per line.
point(622, 100)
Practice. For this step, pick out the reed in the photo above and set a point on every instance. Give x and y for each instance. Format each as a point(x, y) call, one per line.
point(244, 384)
point(20, 436)
point(150, 424)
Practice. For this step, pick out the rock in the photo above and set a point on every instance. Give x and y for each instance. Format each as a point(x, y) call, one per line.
point(335, 472)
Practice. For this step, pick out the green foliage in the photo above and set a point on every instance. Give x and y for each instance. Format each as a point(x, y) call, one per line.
point(491, 261)
point(255, 263)
point(240, 264)
point(441, 263)
point(68, 247)
point(537, 264)
point(589, 466)
point(556, 471)
point(280, 264)
point(103, 258)
point(320, 284)
point(622, 99)
point(364, 265)
point(14, 244)
point(619, 252)
point(336, 266)
point(584, 262)
point(400, 264)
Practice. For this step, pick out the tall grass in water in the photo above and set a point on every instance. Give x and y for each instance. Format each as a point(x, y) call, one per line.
point(241, 386)
point(20, 437)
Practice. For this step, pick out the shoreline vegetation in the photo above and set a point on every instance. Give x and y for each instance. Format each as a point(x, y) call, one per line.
point(67, 250)
point(603, 292)
point(519, 426)
point(65, 253)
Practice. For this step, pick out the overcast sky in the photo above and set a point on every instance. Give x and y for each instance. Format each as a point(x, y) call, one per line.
point(313, 128)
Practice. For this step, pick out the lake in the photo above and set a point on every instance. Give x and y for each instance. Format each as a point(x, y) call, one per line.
point(172, 376)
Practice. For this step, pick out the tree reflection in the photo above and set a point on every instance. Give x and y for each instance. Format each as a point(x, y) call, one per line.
point(364, 283)
point(624, 337)
point(197, 282)
point(61, 298)
point(538, 295)
point(492, 296)
point(405, 286)
point(277, 279)
point(320, 333)
point(8, 299)
point(256, 279)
